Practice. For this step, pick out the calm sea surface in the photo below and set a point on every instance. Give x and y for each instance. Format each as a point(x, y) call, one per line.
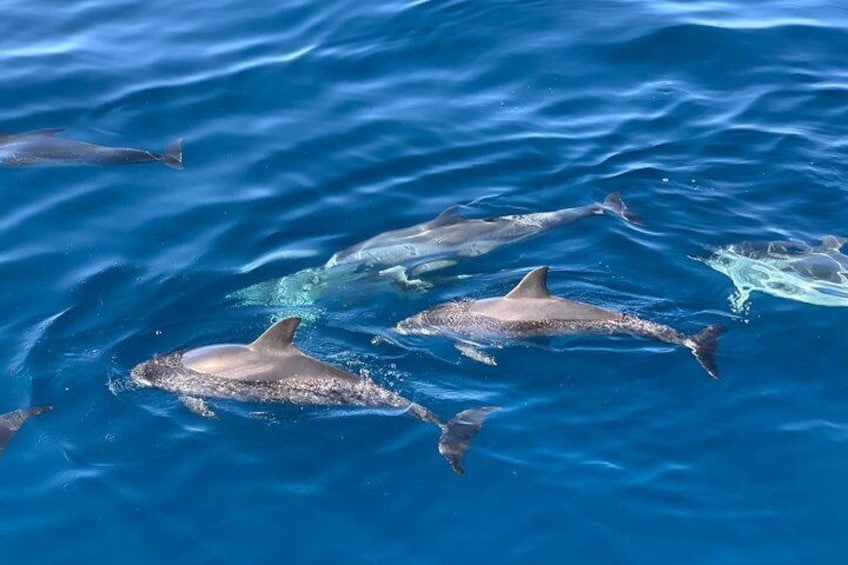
point(310, 126)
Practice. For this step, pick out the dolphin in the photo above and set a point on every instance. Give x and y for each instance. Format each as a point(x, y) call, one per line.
point(42, 147)
point(273, 369)
point(13, 421)
point(531, 310)
point(814, 274)
point(402, 256)
point(436, 244)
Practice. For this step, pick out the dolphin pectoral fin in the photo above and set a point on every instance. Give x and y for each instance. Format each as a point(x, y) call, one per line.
point(397, 273)
point(400, 276)
point(198, 406)
point(475, 353)
point(13, 421)
point(458, 434)
point(430, 266)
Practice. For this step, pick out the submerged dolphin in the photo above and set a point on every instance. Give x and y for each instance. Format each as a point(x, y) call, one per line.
point(13, 421)
point(437, 244)
point(42, 147)
point(531, 310)
point(786, 269)
point(404, 255)
point(273, 369)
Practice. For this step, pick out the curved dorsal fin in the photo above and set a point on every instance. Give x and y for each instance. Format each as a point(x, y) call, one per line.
point(533, 285)
point(277, 337)
point(833, 242)
point(449, 216)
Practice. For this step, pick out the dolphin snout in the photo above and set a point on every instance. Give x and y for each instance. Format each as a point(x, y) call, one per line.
point(409, 325)
point(402, 327)
point(139, 374)
point(415, 325)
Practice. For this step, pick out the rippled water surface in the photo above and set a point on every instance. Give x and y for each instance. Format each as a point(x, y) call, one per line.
point(310, 126)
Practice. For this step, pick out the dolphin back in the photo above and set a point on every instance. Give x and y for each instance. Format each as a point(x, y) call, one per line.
point(43, 147)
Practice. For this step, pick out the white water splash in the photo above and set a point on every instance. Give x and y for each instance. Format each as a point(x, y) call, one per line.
point(778, 276)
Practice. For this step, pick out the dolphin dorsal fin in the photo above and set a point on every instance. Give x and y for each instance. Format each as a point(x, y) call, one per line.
point(833, 242)
point(533, 285)
point(277, 337)
point(449, 216)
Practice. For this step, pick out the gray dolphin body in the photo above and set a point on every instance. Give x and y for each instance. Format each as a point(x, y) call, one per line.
point(438, 243)
point(11, 422)
point(404, 255)
point(42, 147)
point(273, 369)
point(531, 310)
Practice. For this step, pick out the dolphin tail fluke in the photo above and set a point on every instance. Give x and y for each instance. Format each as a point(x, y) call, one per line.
point(13, 421)
point(704, 346)
point(615, 205)
point(458, 434)
point(173, 156)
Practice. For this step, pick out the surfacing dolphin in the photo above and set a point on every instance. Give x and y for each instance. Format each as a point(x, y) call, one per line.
point(42, 147)
point(273, 369)
point(404, 255)
point(13, 421)
point(531, 310)
point(786, 269)
point(438, 243)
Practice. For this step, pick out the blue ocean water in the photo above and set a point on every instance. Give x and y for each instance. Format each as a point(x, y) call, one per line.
point(310, 126)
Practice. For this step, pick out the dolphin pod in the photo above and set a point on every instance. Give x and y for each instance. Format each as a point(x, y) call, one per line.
point(43, 147)
point(273, 369)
